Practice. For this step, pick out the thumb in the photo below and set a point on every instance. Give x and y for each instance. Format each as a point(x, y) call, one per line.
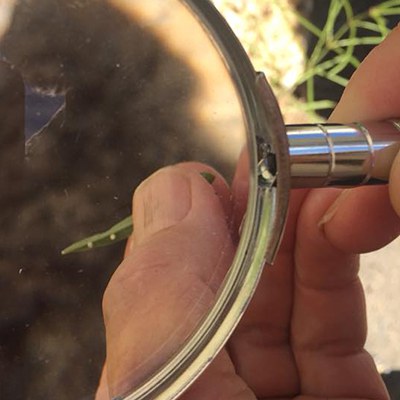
point(394, 184)
point(174, 265)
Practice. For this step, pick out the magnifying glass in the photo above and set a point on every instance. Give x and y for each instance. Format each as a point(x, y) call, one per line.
point(117, 89)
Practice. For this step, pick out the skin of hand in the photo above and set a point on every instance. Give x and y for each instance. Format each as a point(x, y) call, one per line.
point(303, 334)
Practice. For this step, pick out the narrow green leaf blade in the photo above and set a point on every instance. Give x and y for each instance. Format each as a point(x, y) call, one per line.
point(208, 176)
point(120, 231)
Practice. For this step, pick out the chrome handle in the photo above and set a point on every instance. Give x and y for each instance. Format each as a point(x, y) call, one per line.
point(342, 155)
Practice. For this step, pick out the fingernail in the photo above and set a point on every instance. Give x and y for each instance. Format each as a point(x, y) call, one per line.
point(330, 213)
point(160, 202)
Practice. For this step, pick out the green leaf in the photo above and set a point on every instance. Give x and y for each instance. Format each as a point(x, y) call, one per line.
point(319, 105)
point(208, 176)
point(120, 231)
point(342, 39)
point(364, 41)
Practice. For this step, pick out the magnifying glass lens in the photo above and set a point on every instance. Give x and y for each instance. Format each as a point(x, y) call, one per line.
point(99, 96)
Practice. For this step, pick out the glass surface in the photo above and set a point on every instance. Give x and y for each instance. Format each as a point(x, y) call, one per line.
point(94, 97)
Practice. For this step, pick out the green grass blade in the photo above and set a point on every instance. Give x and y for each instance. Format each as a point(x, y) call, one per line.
point(319, 105)
point(308, 25)
point(376, 14)
point(120, 231)
point(326, 34)
point(388, 4)
point(368, 25)
point(321, 68)
point(388, 12)
point(310, 92)
point(337, 79)
point(208, 176)
point(363, 41)
point(342, 40)
point(334, 11)
point(349, 51)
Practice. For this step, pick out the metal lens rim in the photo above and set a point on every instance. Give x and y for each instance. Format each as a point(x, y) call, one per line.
point(261, 229)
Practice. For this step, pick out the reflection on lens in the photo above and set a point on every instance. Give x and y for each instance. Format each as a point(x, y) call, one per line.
point(100, 94)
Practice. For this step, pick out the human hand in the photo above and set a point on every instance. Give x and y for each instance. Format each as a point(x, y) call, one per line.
point(304, 332)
